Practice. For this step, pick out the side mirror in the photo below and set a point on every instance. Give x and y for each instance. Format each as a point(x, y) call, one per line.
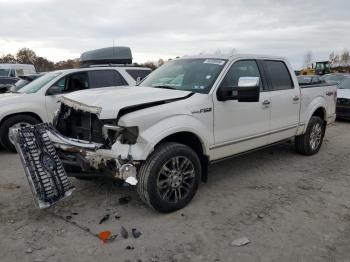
point(138, 80)
point(53, 90)
point(248, 90)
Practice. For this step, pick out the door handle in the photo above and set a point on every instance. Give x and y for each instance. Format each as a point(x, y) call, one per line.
point(296, 98)
point(266, 103)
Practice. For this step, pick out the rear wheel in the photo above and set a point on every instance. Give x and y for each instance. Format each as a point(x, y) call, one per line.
point(310, 142)
point(17, 121)
point(169, 178)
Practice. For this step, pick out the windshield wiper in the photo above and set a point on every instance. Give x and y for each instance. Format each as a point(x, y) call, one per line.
point(165, 87)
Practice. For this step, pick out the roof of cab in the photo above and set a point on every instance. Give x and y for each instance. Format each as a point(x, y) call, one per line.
point(233, 56)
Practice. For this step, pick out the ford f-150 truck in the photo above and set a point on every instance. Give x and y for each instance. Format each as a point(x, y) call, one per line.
point(162, 135)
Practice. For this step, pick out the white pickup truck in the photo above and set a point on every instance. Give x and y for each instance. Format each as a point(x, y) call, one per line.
point(37, 101)
point(162, 134)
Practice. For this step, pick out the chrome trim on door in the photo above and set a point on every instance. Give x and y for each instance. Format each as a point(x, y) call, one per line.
point(229, 143)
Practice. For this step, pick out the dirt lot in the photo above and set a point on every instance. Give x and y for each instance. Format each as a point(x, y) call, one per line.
point(290, 207)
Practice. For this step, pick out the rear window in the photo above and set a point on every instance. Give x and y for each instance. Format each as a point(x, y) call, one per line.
point(279, 75)
point(105, 78)
point(135, 73)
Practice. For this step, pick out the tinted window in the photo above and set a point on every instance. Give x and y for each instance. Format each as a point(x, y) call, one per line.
point(105, 78)
point(135, 73)
point(244, 68)
point(279, 75)
point(73, 82)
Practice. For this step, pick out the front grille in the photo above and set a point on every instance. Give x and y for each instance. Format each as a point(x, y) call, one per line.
point(79, 124)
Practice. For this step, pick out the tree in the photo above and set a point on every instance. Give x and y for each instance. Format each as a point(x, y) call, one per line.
point(43, 65)
point(345, 58)
point(308, 58)
point(26, 56)
point(8, 59)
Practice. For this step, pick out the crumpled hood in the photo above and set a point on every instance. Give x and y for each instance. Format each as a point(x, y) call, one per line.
point(107, 102)
point(343, 93)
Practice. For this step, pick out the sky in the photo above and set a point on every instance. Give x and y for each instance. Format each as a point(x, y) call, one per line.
point(154, 29)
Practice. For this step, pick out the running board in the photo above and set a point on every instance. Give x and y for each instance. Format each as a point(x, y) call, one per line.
point(47, 179)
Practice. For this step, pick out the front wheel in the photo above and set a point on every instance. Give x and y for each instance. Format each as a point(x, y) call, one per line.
point(169, 178)
point(17, 121)
point(310, 142)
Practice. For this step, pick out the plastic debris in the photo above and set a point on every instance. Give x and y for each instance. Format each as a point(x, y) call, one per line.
point(242, 241)
point(124, 232)
point(104, 236)
point(130, 247)
point(104, 219)
point(136, 233)
point(124, 200)
point(116, 215)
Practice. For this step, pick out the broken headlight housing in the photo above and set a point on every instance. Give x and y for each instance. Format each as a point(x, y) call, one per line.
point(126, 135)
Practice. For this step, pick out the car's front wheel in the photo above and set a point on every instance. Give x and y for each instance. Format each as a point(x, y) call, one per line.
point(169, 178)
point(17, 121)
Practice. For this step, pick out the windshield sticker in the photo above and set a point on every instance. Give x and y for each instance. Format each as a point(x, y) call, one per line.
point(214, 61)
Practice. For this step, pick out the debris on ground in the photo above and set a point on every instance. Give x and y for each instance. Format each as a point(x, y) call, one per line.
point(116, 215)
point(124, 200)
point(75, 213)
point(68, 217)
point(29, 250)
point(104, 236)
point(129, 248)
point(38, 260)
point(104, 219)
point(136, 233)
point(124, 233)
point(242, 241)
point(261, 216)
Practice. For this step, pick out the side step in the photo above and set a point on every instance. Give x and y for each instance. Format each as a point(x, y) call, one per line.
point(47, 179)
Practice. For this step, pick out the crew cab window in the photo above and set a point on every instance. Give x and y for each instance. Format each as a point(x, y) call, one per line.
point(279, 75)
point(105, 78)
point(243, 68)
point(135, 73)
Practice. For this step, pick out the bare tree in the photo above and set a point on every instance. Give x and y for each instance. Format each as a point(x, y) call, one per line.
point(8, 59)
point(345, 58)
point(308, 58)
point(26, 56)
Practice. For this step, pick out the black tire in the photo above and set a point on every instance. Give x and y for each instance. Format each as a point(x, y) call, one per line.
point(150, 174)
point(303, 143)
point(5, 126)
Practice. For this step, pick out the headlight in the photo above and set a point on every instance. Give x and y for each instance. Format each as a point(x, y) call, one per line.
point(126, 135)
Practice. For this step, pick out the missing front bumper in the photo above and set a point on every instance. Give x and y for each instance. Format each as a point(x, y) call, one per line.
point(37, 147)
point(46, 177)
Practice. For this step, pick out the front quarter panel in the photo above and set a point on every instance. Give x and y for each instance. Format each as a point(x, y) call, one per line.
point(194, 114)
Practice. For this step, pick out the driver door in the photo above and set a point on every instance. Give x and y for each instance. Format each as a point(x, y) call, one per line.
point(67, 84)
point(240, 126)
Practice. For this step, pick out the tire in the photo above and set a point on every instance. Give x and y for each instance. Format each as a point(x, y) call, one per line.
point(178, 169)
point(5, 126)
point(304, 143)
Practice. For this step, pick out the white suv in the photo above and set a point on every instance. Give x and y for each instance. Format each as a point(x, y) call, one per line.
point(37, 101)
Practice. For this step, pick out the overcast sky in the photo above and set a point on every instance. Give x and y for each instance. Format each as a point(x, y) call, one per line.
point(59, 29)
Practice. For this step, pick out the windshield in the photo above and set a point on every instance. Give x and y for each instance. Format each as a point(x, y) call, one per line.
point(336, 78)
point(19, 84)
point(345, 84)
point(4, 72)
point(38, 83)
point(196, 75)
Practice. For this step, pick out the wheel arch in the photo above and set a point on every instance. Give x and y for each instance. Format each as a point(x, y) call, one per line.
point(21, 113)
point(194, 142)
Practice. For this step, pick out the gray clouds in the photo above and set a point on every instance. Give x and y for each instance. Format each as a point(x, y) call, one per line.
point(162, 29)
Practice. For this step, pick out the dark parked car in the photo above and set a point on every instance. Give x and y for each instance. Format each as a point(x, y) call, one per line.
point(310, 80)
point(18, 83)
point(343, 101)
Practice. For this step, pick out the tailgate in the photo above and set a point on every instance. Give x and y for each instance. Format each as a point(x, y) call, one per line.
point(46, 177)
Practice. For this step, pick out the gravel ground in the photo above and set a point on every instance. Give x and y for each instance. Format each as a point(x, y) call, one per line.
point(290, 207)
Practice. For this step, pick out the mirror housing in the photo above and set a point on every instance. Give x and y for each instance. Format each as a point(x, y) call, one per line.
point(53, 90)
point(248, 90)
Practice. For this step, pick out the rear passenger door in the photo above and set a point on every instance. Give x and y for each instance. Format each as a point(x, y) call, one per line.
point(285, 100)
point(105, 78)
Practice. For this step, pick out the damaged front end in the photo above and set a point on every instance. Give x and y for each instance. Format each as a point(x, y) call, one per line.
point(48, 154)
